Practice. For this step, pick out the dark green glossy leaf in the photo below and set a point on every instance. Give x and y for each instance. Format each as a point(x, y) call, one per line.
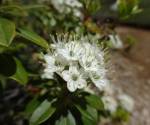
point(42, 113)
point(7, 65)
point(93, 112)
point(33, 37)
point(7, 32)
point(21, 74)
point(95, 101)
point(31, 106)
point(87, 117)
point(69, 120)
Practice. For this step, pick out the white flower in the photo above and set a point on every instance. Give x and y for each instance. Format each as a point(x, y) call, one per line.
point(89, 63)
point(84, 60)
point(99, 79)
point(126, 102)
point(93, 59)
point(110, 103)
point(93, 52)
point(58, 4)
point(70, 51)
point(67, 6)
point(74, 79)
point(77, 13)
point(53, 64)
point(116, 41)
point(73, 3)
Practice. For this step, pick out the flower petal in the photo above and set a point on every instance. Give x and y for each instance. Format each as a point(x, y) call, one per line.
point(82, 84)
point(101, 83)
point(66, 75)
point(71, 86)
point(47, 75)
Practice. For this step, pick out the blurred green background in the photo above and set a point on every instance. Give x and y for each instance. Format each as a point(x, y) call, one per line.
point(140, 20)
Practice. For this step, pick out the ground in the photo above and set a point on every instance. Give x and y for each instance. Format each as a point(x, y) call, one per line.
point(131, 73)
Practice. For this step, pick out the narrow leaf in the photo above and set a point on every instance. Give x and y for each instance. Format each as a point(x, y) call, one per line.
point(42, 113)
point(95, 101)
point(87, 117)
point(21, 74)
point(31, 106)
point(33, 37)
point(69, 120)
point(7, 32)
point(84, 113)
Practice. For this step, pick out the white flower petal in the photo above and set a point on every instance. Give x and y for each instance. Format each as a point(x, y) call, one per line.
point(126, 102)
point(47, 75)
point(49, 59)
point(101, 83)
point(110, 103)
point(71, 86)
point(82, 84)
point(66, 75)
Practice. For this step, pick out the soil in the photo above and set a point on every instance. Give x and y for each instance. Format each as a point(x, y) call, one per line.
point(131, 73)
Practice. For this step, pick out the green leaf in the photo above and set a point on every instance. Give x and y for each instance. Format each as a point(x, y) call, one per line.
point(93, 112)
point(121, 114)
point(31, 106)
point(69, 120)
point(33, 37)
point(91, 6)
point(14, 10)
point(7, 32)
point(128, 7)
point(21, 74)
point(87, 117)
point(7, 65)
point(95, 101)
point(42, 113)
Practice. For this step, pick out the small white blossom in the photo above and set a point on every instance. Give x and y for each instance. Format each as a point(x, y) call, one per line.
point(68, 6)
point(126, 102)
point(89, 63)
point(74, 79)
point(73, 3)
point(110, 103)
point(58, 5)
point(116, 41)
point(77, 13)
point(71, 51)
point(99, 81)
point(52, 65)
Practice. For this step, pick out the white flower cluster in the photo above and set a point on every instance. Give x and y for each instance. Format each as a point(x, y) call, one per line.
point(114, 97)
point(78, 61)
point(68, 6)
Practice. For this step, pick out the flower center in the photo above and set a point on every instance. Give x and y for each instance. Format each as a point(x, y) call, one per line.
point(88, 64)
point(71, 53)
point(96, 77)
point(74, 77)
point(57, 63)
